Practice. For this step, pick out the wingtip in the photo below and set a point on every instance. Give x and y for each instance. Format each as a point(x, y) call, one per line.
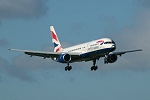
point(140, 49)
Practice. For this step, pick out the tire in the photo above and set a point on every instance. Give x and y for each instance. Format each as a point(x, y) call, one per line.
point(92, 68)
point(66, 68)
point(69, 68)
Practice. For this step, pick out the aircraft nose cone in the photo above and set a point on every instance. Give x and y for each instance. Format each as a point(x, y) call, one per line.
point(113, 47)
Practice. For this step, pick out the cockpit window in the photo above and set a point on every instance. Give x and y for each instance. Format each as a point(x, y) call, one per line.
point(109, 42)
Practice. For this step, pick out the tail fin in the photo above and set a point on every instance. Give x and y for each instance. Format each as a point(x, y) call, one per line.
point(57, 45)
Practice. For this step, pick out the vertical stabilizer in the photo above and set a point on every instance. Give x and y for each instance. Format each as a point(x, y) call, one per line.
point(57, 45)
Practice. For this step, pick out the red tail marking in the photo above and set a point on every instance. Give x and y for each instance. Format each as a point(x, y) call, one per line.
point(58, 49)
point(54, 36)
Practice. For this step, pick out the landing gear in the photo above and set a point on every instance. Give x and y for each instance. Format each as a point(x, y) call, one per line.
point(94, 67)
point(68, 67)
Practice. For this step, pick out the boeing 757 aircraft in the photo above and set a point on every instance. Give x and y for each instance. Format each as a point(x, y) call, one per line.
point(90, 51)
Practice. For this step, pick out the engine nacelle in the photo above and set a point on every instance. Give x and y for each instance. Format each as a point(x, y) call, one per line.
point(64, 58)
point(111, 58)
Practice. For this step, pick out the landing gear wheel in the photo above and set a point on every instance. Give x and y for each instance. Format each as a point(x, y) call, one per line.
point(69, 68)
point(92, 68)
point(95, 68)
point(66, 68)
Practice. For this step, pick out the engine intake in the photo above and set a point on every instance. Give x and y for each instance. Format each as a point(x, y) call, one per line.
point(111, 58)
point(64, 58)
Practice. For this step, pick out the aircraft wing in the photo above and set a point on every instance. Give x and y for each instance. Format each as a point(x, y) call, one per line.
point(46, 54)
point(123, 52)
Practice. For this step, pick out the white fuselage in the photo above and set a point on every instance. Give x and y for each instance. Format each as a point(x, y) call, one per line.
point(93, 49)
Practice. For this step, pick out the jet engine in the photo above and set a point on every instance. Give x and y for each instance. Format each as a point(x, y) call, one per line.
point(64, 58)
point(111, 58)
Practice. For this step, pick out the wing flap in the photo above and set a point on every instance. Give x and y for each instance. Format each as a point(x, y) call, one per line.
point(39, 53)
point(46, 54)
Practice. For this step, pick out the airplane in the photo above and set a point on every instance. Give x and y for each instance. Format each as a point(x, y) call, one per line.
point(90, 51)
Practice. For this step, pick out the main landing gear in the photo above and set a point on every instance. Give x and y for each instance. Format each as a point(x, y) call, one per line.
point(68, 67)
point(94, 67)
